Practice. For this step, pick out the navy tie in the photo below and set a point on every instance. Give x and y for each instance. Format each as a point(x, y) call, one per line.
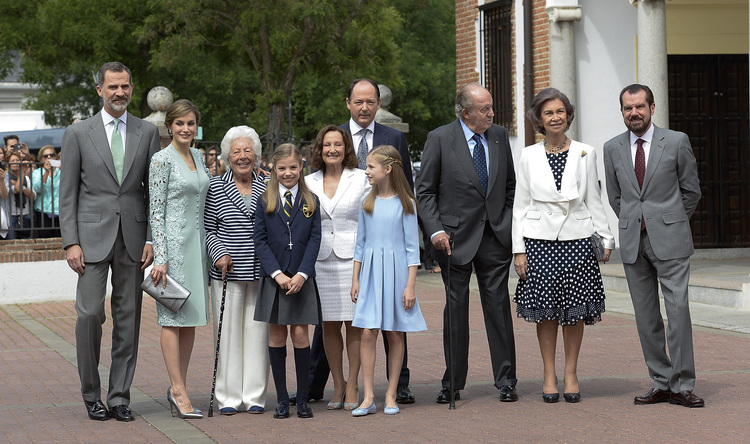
point(480, 161)
point(288, 205)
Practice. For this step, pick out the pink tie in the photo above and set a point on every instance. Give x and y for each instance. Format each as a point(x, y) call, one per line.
point(640, 171)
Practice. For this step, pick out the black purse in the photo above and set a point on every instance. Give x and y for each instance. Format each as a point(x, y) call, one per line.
point(597, 246)
point(173, 296)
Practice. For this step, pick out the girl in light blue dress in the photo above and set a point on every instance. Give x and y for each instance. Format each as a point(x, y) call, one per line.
point(386, 258)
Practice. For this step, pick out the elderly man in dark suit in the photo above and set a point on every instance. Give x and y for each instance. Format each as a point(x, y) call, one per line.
point(104, 224)
point(653, 187)
point(466, 187)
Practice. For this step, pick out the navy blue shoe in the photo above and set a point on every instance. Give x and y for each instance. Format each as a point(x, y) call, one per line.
point(256, 409)
point(228, 410)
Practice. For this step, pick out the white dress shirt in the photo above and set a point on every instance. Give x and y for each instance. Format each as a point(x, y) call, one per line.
point(109, 127)
point(647, 137)
point(354, 128)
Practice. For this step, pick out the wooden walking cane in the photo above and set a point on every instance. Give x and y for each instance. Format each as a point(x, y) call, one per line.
point(218, 342)
point(452, 394)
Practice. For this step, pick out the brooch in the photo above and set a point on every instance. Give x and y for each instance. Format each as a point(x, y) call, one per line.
point(583, 153)
point(306, 211)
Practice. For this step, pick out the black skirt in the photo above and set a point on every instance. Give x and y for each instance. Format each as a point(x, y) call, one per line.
point(563, 283)
point(276, 307)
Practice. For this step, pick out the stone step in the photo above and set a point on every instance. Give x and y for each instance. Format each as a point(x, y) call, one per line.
point(719, 283)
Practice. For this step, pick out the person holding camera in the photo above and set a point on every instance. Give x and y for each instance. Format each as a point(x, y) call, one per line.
point(20, 195)
point(46, 183)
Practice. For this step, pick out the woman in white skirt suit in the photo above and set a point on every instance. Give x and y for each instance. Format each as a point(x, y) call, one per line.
point(339, 186)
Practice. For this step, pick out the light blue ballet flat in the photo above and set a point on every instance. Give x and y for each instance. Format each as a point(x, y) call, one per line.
point(391, 410)
point(364, 412)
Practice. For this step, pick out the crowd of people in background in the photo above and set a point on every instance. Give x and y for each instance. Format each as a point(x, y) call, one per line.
point(29, 191)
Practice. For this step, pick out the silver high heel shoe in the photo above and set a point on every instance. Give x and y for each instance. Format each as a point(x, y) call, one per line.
point(195, 414)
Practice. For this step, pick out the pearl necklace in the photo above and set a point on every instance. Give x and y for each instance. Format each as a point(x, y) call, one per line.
point(555, 149)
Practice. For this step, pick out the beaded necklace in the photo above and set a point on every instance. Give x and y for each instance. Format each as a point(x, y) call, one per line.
point(555, 149)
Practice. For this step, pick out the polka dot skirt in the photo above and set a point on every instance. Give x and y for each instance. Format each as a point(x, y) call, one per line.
point(563, 281)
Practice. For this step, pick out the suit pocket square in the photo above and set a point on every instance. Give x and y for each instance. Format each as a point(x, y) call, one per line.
point(173, 296)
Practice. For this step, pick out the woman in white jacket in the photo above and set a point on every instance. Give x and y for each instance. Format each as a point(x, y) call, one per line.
point(557, 208)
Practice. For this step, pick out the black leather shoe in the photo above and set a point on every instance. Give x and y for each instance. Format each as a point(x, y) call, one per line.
point(686, 398)
point(282, 411)
point(572, 397)
point(304, 410)
point(403, 394)
point(654, 396)
point(121, 413)
point(444, 397)
point(550, 398)
point(508, 394)
point(96, 410)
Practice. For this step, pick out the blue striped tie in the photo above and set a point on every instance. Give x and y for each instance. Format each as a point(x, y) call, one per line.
point(288, 204)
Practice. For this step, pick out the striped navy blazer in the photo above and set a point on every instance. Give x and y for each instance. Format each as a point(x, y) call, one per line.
point(230, 227)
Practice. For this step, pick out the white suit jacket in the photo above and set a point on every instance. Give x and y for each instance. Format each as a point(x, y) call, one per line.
point(339, 216)
point(574, 212)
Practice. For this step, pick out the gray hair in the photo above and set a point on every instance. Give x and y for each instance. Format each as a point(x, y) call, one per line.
point(114, 67)
point(240, 132)
point(464, 98)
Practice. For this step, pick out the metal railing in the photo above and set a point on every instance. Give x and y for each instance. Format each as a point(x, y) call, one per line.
point(32, 220)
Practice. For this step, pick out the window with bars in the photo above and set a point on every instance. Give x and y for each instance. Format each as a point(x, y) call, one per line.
point(495, 34)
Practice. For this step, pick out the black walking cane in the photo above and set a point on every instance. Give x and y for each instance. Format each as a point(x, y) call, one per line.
point(218, 342)
point(450, 328)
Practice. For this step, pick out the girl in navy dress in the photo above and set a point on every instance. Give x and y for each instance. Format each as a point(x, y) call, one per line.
point(287, 240)
point(385, 270)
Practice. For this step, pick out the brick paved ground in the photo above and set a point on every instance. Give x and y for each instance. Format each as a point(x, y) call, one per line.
point(40, 400)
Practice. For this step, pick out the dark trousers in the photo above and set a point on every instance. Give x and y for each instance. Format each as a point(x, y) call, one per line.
point(319, 368)
point(491, 264)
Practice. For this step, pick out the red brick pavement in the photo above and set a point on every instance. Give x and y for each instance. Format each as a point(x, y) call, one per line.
point(40, 400)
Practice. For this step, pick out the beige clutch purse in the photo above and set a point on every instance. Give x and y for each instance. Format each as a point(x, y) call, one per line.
point(173, 296)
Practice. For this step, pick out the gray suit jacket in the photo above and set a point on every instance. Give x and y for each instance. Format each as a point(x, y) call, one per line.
point(451, 197)
point(93, 205)
point(671, 192)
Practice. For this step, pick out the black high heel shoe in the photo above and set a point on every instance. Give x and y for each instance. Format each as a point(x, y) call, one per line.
point(551, 398)
point(572, 397)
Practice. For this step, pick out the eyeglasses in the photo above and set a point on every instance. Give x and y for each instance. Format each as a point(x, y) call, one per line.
point(47, 156)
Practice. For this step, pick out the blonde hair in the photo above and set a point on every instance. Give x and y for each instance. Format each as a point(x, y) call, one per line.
point(271, 196)
point(388, 156)
point(47, 148)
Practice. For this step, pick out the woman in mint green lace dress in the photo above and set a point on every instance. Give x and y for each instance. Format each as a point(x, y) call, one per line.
point(178, 182)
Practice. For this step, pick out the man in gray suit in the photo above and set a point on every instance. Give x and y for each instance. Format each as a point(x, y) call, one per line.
point(104, 224)
point(653, 187)
point(466, 187)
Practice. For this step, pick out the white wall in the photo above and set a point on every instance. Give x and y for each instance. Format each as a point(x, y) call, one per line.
point(27, 282)
point(606, 53)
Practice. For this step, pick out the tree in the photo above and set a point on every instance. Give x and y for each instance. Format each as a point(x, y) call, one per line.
point(279, 40)
point(240, 62)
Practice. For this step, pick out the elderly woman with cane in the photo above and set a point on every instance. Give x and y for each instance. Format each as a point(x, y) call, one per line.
point(242, 370)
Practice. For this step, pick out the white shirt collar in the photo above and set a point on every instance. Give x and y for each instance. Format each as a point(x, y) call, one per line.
point(354, 127)
point(283, 190)
point(647, 136)
point(107, 118)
